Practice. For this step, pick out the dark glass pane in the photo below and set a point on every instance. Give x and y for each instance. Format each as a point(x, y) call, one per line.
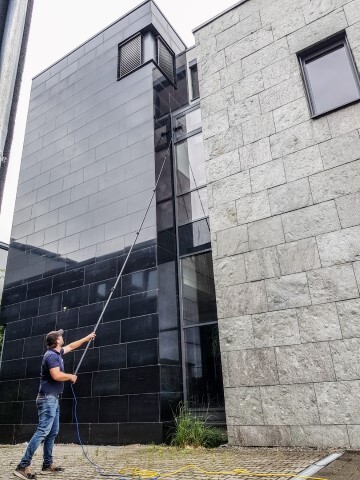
point(165, 215)
point(190, 161)
point(193, 206)
point(188, 122)
point(203, 367)
point(194, 81)
point(332, 80)
point(198, 290)
point(194, 237)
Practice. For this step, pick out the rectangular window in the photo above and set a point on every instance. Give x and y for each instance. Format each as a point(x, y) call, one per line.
point(188, 123)
point(190, 163)
point(330, 75)
point(198, 290)
point(203, 367)
point(130, 56)
point(194, 81)
point(193, 206)
point(194, 237)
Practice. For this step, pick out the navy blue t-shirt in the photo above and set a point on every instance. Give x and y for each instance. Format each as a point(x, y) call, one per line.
point(51, 359)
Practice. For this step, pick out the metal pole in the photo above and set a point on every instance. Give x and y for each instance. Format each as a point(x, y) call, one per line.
point(128, 255)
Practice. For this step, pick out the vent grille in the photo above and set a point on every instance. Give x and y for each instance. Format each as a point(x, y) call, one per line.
point(129, 56)
point(166, 60)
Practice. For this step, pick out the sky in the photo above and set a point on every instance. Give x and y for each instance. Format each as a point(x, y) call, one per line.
point(59, 26)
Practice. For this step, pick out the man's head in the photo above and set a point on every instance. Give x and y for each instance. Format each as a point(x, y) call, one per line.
point(55, 339)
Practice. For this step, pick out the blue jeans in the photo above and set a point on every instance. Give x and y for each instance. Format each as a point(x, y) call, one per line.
point(48, 428)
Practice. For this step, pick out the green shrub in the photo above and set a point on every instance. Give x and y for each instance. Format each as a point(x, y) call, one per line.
point(192, 431)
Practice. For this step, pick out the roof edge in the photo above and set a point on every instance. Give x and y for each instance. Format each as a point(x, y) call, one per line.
point(218, 15)
point(108, 26)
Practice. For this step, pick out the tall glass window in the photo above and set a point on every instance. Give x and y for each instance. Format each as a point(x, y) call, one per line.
point(201, 352)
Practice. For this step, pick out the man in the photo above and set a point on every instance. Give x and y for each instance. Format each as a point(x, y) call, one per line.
point(52, 378)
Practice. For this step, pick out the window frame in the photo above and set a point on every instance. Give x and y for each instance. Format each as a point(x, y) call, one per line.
point(317, 51)
point(192, 66)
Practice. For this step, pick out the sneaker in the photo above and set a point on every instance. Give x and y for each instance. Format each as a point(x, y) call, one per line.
point(51, 469)
point(24, 473)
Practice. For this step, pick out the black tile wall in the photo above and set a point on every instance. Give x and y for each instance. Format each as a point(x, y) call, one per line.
point(122, 383)
point(113, 356)
point(114, 409)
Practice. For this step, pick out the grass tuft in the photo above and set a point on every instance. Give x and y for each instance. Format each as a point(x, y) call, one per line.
point(191, 431)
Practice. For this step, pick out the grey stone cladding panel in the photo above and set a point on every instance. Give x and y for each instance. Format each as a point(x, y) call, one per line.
point(299, 256)
point(252, 367)
point(287, 292)
point(276, 329)
point(291, 196)
point(243, 299)
point(346, 357)
point(230, 271)
point(323, 436)
point(339, 247)
point(310, 221)
point(260, 436)
point(306, 363)
point(232, 241)
point(348, 208)
point(338, 181)
point(349, 315)
point(261, 264)
point(299, 137)
point(354, 436)
point(289, 405)
point(303, 163)
point(253, 207)
point(236, 333)
point(231, 188)
point(340, 150)
point(318, 323)
point(338, 402)
point(266, 233)
point(223, 217)
point(267, 175)
point(243, 406)
point(332, 284)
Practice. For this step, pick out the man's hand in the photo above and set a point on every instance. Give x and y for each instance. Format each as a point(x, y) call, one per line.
point(73, 378)
point(72, 346)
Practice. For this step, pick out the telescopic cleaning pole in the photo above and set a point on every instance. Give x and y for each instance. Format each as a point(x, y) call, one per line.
point(129, 253)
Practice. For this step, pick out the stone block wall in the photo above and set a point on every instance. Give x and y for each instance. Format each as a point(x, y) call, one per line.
point(284, 193)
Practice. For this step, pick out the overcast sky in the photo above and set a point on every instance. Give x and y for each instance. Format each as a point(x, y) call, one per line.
point(58, 26)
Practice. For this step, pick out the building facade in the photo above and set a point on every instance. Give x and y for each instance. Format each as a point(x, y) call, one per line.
point(243, 288)
point(279, 84)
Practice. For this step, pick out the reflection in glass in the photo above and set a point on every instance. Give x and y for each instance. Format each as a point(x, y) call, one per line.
point(193, 206)
point(203, 366)
point(164, 215)
point(198, 290)
point(194, 237)
point(188, 122)
point(190, 162)
point(332, 80)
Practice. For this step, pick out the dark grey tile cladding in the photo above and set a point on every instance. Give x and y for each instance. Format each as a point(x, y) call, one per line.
point(87, 174)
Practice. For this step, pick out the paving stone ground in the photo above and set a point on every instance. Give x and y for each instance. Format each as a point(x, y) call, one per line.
point(166, 459)
point(347, 467)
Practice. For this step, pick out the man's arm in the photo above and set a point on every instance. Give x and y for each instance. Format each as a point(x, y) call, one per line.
point(59, 376)
point(74, 345)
